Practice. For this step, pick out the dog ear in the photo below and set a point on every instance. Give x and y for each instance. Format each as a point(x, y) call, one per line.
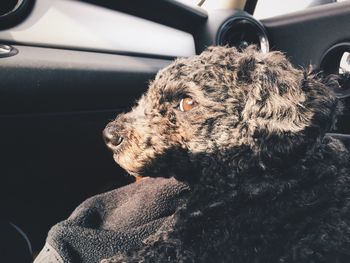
point(287, 110)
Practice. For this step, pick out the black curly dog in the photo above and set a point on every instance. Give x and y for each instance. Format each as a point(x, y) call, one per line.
point(247, 131)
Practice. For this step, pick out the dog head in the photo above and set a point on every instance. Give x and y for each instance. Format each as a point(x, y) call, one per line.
point(223, 105)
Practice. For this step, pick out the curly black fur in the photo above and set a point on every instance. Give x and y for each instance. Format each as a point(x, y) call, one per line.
point(267, 184)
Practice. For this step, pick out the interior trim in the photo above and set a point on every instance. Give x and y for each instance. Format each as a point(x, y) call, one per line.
point(55, 23)
point(171, 13)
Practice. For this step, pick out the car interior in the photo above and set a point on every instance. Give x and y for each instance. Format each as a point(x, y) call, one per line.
point(68, 67)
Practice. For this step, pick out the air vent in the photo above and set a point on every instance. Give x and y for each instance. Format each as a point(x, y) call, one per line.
point(9, 6)
point(13, 11)
point(240, 32)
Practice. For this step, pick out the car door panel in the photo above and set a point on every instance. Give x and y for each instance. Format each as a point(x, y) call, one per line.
point(54, 105)
point(45, 80)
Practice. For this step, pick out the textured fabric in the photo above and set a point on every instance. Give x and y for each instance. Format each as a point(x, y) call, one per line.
point(115, 221)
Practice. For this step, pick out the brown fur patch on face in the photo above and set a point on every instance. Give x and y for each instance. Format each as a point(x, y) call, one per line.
point(244, 100)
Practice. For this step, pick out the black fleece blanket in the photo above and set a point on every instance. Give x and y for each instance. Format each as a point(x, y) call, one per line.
point(114, 222)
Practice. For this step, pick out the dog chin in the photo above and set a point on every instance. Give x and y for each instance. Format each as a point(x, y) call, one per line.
point(154, 167)
point(134, 172)
point(115, 157)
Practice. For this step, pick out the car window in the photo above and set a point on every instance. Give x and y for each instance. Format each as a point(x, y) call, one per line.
point(271, 8)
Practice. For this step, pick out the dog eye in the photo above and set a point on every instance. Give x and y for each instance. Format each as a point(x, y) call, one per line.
point(187, 104)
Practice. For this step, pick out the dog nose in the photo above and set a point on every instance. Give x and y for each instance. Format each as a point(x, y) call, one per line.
point(111, 136)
